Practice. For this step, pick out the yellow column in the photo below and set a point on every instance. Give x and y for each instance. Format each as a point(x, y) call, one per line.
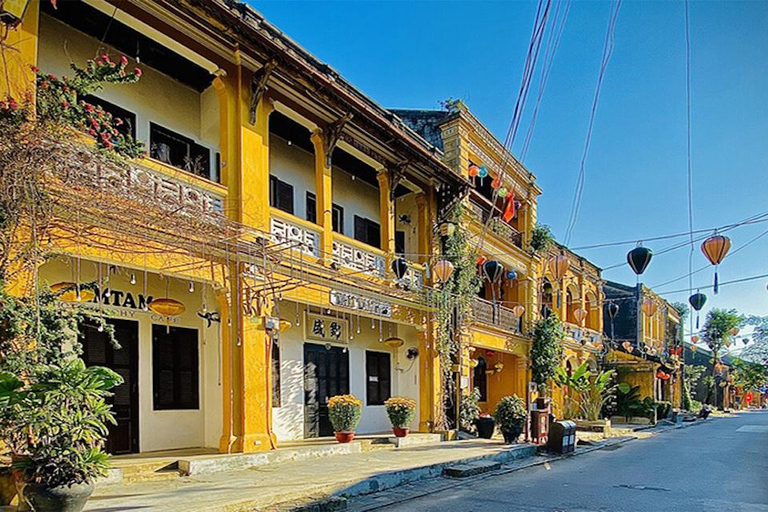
point(324, 194)
point(429, 380)
point(387, 215)
point(424, 229)
point(245, 358)
point(16, 76)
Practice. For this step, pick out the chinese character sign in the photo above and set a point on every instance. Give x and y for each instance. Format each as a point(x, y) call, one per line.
point(326, 328)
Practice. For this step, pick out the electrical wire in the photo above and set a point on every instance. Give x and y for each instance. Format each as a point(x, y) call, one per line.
point(580, 180)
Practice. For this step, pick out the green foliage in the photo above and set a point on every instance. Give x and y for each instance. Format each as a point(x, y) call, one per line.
point(682, 309)
point(717, 328)
point(542, 239)
point(749, 375)
point(627, 399)
point(400, 411)
point(344, 412)
point(662, 408)
point(470, 411)
point(546, 350)
point(510, 412)
point(757, 350)
point(593, 391)
point(60, 420)
point(693, 374)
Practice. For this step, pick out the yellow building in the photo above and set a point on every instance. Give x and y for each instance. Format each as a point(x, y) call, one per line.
point(497, 344)
point(287, 226)
point(645, 335)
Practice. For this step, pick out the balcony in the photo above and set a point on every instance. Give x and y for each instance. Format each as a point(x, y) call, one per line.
point(496, 225)
point(582, 335)
point(495, 315)
point(302, 235)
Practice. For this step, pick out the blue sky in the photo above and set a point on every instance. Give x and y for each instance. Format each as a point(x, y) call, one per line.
point(413, 54)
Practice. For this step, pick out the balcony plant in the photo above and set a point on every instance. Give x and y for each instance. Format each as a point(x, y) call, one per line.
point(541, 239)
point(401, 412)
point(344, 413)
point(510, 416)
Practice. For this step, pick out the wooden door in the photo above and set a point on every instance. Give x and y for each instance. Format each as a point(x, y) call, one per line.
point(326, 374)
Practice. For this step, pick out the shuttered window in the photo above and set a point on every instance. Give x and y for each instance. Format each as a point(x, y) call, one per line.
point(378, 377)
point(179, 151)
point(367, 231)
point(276, 400)
point(400, 243)
point(311, 207)
point(280, 195)
point(175, 368)
point(337, 216)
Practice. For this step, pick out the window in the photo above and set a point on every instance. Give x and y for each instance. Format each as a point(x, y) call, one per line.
point(276, 402)
point(378, 379)
point(175, 368)
point(367, 231)
point(128, 128)
point(400, 243)
point(311, 207)
point(337, 217)
point(480, 379)
point(280, 195)
point(179, 151)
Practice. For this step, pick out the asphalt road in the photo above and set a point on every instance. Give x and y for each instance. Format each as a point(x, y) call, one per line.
point(720, 466)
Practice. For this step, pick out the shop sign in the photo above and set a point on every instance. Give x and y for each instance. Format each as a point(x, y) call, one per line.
point(121, 304)
point(326, 328)
point(359, 303)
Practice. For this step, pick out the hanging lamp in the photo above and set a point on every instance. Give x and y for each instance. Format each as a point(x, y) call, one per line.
point(697, 301)
point(442, 270)
point(715, 248)
point(167, 307)
point(639, 258)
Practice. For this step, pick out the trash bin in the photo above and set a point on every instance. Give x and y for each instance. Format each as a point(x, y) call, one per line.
point(562, 437)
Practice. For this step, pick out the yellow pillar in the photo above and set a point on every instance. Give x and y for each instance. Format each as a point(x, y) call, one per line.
point(429, 380)
point(20, 54)
point(424, 229)
point(386, 214)
point(324, 195)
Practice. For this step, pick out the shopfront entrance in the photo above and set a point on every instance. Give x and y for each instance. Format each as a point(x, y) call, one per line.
point(326, 374)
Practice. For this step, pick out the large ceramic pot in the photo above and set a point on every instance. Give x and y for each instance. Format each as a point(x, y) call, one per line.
point(65, 498)
point(400, 432)
point(344, 437)
point(485, 426)
point(512, 434)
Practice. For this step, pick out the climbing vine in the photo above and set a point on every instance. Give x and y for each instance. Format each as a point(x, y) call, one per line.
point(453, 303)
point(546, 350)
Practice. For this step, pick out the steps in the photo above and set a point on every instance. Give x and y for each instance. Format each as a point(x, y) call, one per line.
point(131, 471)
point(414, 440)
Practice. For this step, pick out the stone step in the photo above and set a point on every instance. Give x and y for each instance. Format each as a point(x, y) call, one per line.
point(156, 476)
point(416, 440)
point(471, 469)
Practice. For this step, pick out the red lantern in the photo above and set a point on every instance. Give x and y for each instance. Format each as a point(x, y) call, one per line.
point(473, 170)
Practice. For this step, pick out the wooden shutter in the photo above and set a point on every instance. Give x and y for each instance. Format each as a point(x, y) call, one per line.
point(311, 207)
point(378, 378)
point(338, 218)
point(400, 242)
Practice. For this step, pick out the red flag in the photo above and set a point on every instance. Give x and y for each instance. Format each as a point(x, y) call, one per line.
point(509, 211)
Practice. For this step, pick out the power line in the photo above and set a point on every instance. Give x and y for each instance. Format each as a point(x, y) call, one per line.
point(607, 51)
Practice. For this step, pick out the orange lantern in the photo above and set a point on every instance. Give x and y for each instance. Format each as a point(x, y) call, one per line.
point(649, 307)
point(694, 348)
point(580, 314)
point(694, 339)
point(715, 248)
point(734, 331)
point(394, 342)
point(72, 292)
point(627, 346)
point(558, 266)
point(443, 270)
point(167, 307)
point(518, 310)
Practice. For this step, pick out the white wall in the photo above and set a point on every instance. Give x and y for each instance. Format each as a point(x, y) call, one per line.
point(294, 166)
point(407, 205)
point(155, 97)
point(288, 420)
point(163, 430)
point(357, 198)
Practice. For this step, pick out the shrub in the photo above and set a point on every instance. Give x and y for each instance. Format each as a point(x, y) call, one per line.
point(510, 412)
point(546, 350)
point(401, 411)
point(344, 412)
point(470, 411)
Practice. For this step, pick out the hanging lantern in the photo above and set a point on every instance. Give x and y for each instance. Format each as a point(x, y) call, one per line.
point(745, 341)
point(442, 270)
point(71, 292)
point(697, 301)
point(400, 267)
point(715, 248)
point(473, 170)
point(546, 311)
point(613, 310)
point(558, 266)
point(639, 258)
point(511, 275)
point(482, 172)
point(518, 311)
point(694, 348)
point(481, 260)
point(167, 307)
point(734, 331)
point(447, 228)
point(728, 344)
point(496, 183)
point(649, 307)
point(502, 191)
point(493, 270)
point(694, 339)
point(394, 342)
point(580, 314)
point(283, 325)
point(627, 346)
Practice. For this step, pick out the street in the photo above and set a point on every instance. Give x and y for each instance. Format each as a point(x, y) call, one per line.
point(720, 465)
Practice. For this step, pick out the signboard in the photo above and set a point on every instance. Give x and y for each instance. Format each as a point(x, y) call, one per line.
point(326, 328)
point(360, 303)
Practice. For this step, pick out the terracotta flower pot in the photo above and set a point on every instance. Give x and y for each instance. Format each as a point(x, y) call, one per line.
point(344, 437)
point(400, 432)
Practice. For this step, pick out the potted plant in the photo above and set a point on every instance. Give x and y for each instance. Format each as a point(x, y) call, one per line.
point(485, 425)
point(63, 416)
point(470, 411)
point(344, 412)
point(510, 415)
point(401, 412)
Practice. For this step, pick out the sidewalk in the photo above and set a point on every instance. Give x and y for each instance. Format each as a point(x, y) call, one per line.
point(307, 480)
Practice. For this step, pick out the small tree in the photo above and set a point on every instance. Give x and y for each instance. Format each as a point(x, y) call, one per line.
point(757, 349)
point(541, 239)
point(717, 332)
point(546, 351)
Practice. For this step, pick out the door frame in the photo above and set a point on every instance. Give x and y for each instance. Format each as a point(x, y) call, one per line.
point(316, 346)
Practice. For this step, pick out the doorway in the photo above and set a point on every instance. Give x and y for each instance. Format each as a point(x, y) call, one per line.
point(97, 351)
point(326, 374)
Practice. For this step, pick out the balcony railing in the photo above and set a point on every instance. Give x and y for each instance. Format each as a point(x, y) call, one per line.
point(303, 235)
point(582, 335)
point(488, 313)
point(354, 255)
point(496, 225)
